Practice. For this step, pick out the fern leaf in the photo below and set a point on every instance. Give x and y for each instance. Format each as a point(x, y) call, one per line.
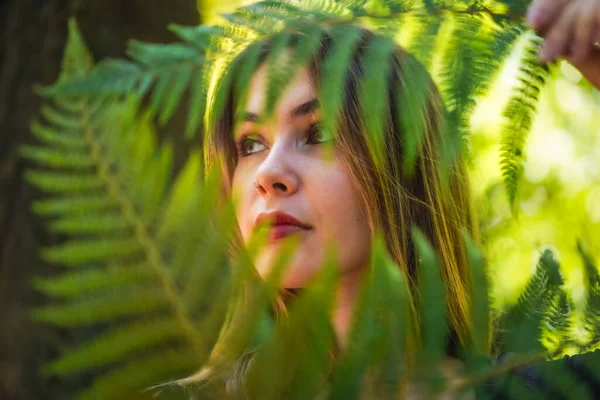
point(513, 387)
point(558, 322)
point(157, 178)
point(60, 182)
point(592, 308)
point(221, 93)
point(78, 59)
point(181, 198)
point(432, 306)
point(160, 55)
point(172, 100)
point(335, 66)
point(55, 159)
point(480, 300)
point(197, 107)
point(109, 77)
point(379, 331)
point(306, 336)
point(424, 38)
point(277, 74)
point(248, 66)
point(557, 382)
point(70, 205)
point(60, 119)
point(519, 113)
point(211, 256)
point(103, 308)
point(125, 382)
point(460, 76)
point(374, 92)
point(515, 7)
point(57, 138)
point(116, 345)
point(524, 321)
point(90, 224)
point(282, 67)
point(80, 282)
point(201, 36)
point(118, 197)
point(78, 252)
point(410, 110)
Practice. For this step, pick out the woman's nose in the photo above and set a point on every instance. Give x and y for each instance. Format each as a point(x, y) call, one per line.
point(276, 174)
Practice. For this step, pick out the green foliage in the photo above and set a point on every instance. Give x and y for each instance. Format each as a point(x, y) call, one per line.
point(379, 331)
point(148, 250)
point(133, 237)
point(166, 72)
point(519, 112)
point(536, 299)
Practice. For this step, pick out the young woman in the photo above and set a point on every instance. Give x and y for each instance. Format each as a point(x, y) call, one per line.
point(278, 170)
point(281, 176)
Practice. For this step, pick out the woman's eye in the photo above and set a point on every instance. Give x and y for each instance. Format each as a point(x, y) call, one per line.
point(247, 146)
point(315, 135)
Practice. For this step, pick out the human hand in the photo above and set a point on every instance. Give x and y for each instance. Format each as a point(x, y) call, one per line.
point(571, 29)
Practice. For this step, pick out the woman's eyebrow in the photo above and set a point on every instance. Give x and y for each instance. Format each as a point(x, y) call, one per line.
point(302, 109)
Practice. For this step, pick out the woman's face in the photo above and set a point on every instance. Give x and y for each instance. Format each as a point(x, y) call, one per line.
point(285, 182)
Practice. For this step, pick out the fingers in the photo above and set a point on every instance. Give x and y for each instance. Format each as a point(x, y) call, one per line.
point(597, 25)
point(585, 26)
point(557, 40)
point(542, 13)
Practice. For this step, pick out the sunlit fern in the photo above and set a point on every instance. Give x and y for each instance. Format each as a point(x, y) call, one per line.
point(481, 37)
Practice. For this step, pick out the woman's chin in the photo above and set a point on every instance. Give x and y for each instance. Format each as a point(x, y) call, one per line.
point(296, 274)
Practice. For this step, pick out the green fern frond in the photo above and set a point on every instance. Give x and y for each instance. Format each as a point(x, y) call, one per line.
point(379, 330)
point(346, 38)
point(425, 35)
point(56, 159)
point(519, 114)
point(411, 111)
point(558, 323)
point(305, 336)
point(525, 319)
point(53, 137)
point(115, 200)
point(68, 205)
point(104, 308)
point(80, 282)
point(117, 345)
point(592, 308)
point(281, 72)
point(461, 74)
point(373, 89)
point(84, 251)
point(480, 300)
point(515, 7)
point(60, 182)
point(328, 9)
point(163, 365)
point(432, 310)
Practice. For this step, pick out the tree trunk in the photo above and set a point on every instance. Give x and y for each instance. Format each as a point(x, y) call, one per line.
point(33, 35)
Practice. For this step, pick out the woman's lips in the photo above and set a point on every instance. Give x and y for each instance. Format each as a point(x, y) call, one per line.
point(281, 231)
point(280, 224)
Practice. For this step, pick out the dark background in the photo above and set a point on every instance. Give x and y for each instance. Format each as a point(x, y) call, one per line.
point(33, 33)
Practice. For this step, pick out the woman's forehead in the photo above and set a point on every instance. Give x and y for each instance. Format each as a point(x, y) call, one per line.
point(299, 90)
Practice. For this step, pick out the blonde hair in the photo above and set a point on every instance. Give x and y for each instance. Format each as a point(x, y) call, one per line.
point(395, 201)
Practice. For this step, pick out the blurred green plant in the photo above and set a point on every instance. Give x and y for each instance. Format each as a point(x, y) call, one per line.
point(148, 253)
